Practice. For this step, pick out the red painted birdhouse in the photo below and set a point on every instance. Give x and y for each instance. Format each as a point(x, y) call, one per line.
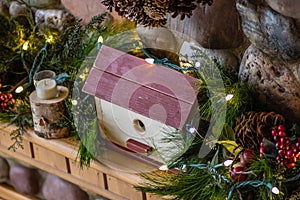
point(139, 103)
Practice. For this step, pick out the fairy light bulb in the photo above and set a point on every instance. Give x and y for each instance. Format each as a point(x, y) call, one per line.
point(100, 39)
point(19, 89)
point(163, 168)
point(149, 60)
point(50, 39)
point(197, 65)
point(275, 190)
point(25, 46)
point(228, 162)
point(229, 97)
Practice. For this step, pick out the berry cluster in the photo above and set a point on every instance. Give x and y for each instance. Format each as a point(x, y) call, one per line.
point(287, 151)
point(6, 100)
point(238, 172)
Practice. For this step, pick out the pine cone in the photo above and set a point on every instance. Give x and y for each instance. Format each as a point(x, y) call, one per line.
point(147, 21)
point(156, 9)
point(185, 7)
point(252, 127)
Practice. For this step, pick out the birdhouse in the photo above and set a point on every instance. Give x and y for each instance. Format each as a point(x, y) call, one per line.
point(139, 104)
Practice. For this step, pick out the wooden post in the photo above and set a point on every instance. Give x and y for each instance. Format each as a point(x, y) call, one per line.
point(46, 114)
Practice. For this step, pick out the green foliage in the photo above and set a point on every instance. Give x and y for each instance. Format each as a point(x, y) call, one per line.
point(89, 143)
point(21, 116)
point(195, 184)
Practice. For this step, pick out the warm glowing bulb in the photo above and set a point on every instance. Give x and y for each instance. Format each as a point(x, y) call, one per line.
point(228, 97)
point(25, 46)
point(19, 89)
point(228, 162)
point(275, 190)
point(50, 39)
point(74, 102)
point(163, 168)
point(149, 60)
point(100, 39)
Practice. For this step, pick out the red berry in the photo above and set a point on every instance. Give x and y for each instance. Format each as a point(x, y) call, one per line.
point(285, 161)
point(281, 134)
point(237, 174)
point(289, 153)
point(9, 95)
point(247, 157)
point(281, 152)
point(262, 144)
point(290, 165)
point(286, 147)
point(293, 159)
point(276, 138)
point(279, 145)
point(261, 155)
point(4, 105)
point(262, 149)
point(281, 128)
point(278, 159)
point(295, 150)
point(274, 132)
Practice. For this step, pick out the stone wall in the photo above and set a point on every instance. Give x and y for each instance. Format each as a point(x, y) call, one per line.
point(37, 183)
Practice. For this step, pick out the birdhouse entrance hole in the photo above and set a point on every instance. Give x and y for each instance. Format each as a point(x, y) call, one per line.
point(139, 125)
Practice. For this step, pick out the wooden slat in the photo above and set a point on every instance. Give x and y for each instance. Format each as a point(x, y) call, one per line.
point(46, 151)
point(9, 193)
point(7, 153)
point(122, 188)
point(88, 174)
point(50, 158)
point(6, 141)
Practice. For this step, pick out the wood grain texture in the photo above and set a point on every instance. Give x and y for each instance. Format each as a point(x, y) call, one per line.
point(51, 156)
point(7, 192)
point(120, 187)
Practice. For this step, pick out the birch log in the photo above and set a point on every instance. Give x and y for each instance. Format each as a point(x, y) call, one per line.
point(47, 113)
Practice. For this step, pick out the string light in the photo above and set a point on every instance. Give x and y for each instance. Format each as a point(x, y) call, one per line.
point(25, 46)
point(163, 168)
point(50, 39)
point(229, 97)
point(275, 190)
point(197, 65)
point(19, 89)
point(100, 41)
point(74, 102)
point(228, 162)
point(150, 60)
point(191, 129)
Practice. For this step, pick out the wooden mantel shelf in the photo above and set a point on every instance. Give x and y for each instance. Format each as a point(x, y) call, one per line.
point(59, 157)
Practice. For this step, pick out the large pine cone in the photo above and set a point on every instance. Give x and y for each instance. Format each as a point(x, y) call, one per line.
point(153, 12)
point(252, 127)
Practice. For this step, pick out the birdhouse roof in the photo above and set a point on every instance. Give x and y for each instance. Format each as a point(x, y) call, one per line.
point(155, 91)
